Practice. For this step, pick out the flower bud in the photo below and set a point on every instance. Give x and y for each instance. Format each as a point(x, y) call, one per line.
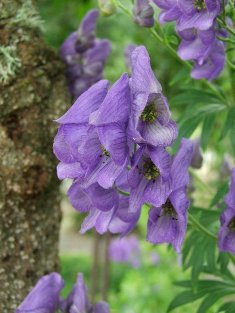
point(107, 7)
point(143, 13)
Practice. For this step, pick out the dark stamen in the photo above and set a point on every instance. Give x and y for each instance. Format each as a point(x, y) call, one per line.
point(199, 4)
point(149, 114)
point(231, 224)
point(168, 209)
point(105, 152)
point(150, 170)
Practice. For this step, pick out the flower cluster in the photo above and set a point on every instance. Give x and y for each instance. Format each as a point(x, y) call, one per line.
point(226, 238)
point(112, 143)
point(197, 27)
point(84, 55)
point(45, 297)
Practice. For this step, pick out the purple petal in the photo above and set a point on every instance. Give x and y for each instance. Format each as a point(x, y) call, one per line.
point(78, 198)
point(156, 193)
point(44, 296)
point(161, 159)
point(116, 105)
point(87, 103)
point(230, 197)
point(70, 170)
point(101, 307)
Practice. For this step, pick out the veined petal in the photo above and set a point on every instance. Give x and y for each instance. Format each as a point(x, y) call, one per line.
point(157, 192)
point(116, 105)
point(70, 170)
point(162, 159)
point(78, 198)
point(87, 103)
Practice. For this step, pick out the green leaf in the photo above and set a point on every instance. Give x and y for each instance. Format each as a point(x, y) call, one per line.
point(222, 190)
point(229, 123)
point(212, 299)
point(181, 299)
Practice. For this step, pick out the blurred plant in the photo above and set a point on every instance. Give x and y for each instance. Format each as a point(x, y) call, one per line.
point(45, 297)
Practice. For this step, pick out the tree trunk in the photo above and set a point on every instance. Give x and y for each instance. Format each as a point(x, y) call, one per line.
point(32, 95)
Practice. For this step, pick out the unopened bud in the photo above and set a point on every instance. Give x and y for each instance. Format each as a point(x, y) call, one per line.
point(107, 7)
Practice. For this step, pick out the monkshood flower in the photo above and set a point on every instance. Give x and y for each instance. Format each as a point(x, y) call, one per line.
point(167, 223)
point(125, 250)
point(226, 237)
point(143, 13)
point(91, 142)
point(150, 121)
point(84, 55)
point(169, 10)
point(197, 157)
point(44, 297)
point(199, 14)
point(149, 177)
point(212, 65)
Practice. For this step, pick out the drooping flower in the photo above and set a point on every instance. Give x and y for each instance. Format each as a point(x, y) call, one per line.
point(226, 237)
point(170, 11)
point(84, 55)
point(150, 120)
point(148, 177)
point(143, 13)
point(44, 297)
point(199, 14)
point(212, 65)
point(125, 250)
point(168, 222)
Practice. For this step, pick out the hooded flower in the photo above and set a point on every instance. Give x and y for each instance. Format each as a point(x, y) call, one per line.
point(199, 14)
point(213, 65)
point(44, 297)
point(148, 177)
point(125, 250)
point(84, 55)
point(143, 13)
point(150, 120)
point(226, 237)
point(168, 222)
point(170, 11)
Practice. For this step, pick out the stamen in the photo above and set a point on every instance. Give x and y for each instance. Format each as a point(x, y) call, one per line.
point(150, 170)
point(168, 209)
point(105, 152)
point(200, 4)
point(149, 114)
point(231, 224)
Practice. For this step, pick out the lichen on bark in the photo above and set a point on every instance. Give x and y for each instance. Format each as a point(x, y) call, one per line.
point(31, 97)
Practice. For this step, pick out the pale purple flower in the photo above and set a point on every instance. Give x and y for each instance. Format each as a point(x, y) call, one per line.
point(44, 297)
point(84, 55)
point(169, 10)
point(149, 177)
point(143, 13)
point(212, 65)
point(199, 14)
point(226, 237)
point(150, 121)
point(167, 223)
point(125, 250)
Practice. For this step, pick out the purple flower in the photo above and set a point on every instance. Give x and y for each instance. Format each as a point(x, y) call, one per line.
point(196, 45)
point(148, 177)
point(199, 14)
point(168, 222)
point(197, 158)
point(44, 297)
point(226, 237)
point(84, 55)
point(170, 11)
point(150, 120)
point(125, 250)
point(212, 65)
point(143, 13)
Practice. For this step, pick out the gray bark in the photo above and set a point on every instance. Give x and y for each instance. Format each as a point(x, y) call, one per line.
point(32, 95)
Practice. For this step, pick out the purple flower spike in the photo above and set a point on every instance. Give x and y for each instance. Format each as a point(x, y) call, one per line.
point(170, 11)
point(199, 14)
point(150, 120)
point(226, 237)
point(44, 297)
point(168, 223)
point(143, 13)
